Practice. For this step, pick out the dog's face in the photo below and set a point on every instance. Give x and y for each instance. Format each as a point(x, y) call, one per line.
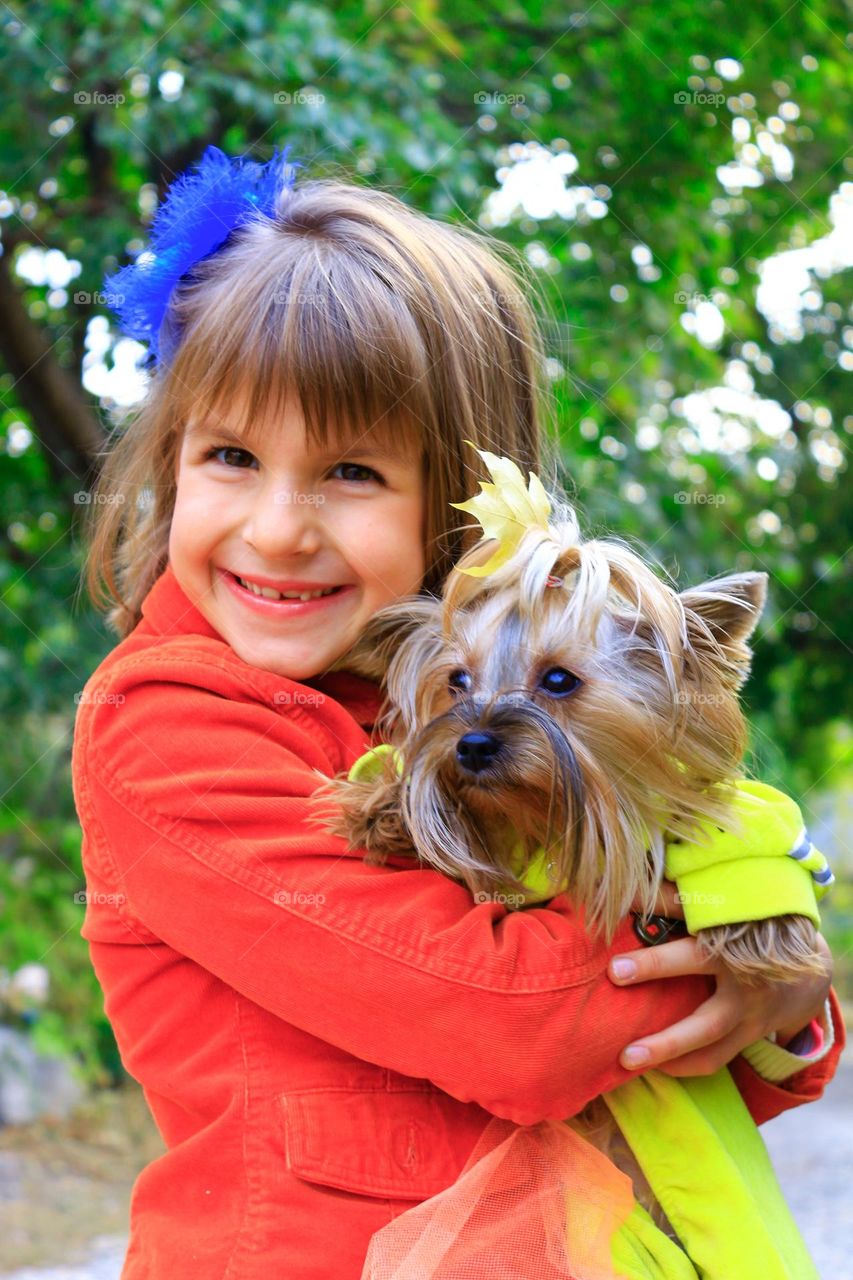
point(585, 716)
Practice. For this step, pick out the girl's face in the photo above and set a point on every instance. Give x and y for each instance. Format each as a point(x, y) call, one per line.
point(286, 517)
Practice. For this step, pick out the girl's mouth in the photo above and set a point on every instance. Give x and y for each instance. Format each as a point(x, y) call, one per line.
point(263, 601)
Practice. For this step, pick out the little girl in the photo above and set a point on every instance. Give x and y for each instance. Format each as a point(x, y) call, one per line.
point(321, 1042)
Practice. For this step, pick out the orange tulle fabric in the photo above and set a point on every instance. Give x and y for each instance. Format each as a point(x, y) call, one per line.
point(533, 1203)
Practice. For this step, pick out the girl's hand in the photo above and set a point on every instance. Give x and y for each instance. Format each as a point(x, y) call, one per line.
point(733, 1017)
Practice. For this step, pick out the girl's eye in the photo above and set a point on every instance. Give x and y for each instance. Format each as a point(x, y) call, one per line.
point(460, 680)
point(356, 466)
point(559, 682)
point(231, 455)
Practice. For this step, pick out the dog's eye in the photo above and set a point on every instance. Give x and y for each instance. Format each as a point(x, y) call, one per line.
point(559, 682)
point(459, 680)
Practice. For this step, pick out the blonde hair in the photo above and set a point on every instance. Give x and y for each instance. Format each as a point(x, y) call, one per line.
point(379, 318)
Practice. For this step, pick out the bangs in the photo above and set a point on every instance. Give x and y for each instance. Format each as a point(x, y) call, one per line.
point(326, 330)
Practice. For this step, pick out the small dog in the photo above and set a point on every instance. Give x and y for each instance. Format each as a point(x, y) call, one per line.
point(573, 701)
point(564, 698)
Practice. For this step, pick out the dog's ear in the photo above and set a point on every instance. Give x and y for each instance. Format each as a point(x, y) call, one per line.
point(730, 607)
point(386, 632)
point(727, 608)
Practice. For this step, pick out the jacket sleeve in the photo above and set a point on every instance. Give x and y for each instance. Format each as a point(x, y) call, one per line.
point(769, 1080)
point(195, 795)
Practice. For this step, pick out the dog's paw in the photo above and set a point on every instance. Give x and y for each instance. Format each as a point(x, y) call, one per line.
point(779, 949)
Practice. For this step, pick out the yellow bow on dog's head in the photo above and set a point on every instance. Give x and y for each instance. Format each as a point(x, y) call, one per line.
point(505, 509)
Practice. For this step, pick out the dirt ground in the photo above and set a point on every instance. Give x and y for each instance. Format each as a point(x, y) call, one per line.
point(64, 1183)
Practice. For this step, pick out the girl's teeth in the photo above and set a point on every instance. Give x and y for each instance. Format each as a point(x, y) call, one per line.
point(271, 594)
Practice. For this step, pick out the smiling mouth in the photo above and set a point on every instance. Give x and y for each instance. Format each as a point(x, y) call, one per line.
point(269, 593)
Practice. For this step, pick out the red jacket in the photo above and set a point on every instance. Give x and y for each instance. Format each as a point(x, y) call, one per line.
point(320, 1041)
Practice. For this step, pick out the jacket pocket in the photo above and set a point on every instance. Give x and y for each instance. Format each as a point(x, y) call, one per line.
point(398, 1145)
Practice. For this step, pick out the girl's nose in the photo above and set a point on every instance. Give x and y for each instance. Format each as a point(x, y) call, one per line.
point(284, 522)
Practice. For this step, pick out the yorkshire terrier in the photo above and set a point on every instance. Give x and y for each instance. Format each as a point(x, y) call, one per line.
point(565, 698)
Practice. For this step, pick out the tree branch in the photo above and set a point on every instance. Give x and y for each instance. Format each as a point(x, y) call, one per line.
point(62, 419)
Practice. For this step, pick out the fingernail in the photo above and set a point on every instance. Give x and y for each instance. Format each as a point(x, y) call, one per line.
point(624, 968)
point(636, 1056)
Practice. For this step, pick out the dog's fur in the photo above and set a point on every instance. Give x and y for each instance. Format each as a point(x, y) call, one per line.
point(647, 742)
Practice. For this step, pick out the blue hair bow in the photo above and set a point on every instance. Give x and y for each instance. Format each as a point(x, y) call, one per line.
point(199, 212)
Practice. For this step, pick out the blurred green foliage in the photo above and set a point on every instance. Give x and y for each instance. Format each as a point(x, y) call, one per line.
point(432, 104)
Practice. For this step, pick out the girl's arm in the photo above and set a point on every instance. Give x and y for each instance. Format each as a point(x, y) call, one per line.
point(698, 1044)
point(193, 780)
point(777, 1063)
point(806, 1013)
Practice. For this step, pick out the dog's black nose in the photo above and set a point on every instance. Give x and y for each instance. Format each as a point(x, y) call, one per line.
point(476, 751)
